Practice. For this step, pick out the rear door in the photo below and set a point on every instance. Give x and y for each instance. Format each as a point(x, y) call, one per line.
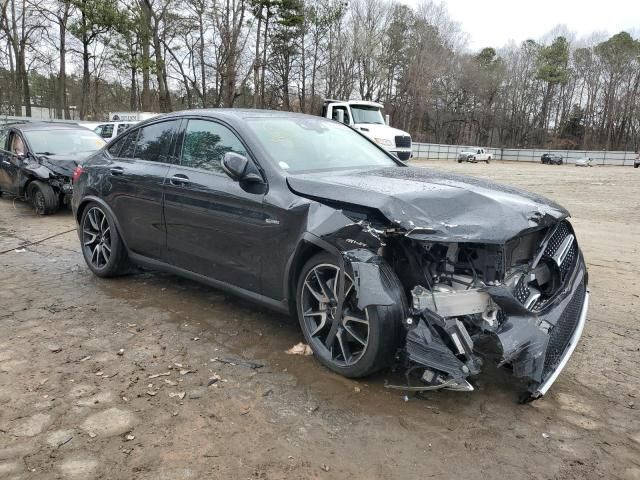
point(213, 223)
point(137, 168)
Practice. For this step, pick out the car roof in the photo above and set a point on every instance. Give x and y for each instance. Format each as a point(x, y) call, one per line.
point(46, 126)
point(236, 113)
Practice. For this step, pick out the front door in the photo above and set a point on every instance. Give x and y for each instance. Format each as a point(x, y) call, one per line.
point(214, 224)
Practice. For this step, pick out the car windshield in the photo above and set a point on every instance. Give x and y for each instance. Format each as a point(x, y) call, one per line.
point(365, 114)
point(63, 141)
point(305, 144)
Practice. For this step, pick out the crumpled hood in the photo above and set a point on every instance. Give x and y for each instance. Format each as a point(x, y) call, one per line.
point(62, 164)
point(433, 205)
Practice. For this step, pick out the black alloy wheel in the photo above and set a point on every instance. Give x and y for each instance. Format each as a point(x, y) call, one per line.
point(96, 237)
point(102, 247)
point(356, 342)
point(319, 300)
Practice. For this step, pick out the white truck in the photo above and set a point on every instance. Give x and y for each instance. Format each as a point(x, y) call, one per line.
point(367, 118)
point(475, 155)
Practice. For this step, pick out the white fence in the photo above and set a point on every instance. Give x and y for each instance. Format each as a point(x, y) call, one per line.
point(433, 151)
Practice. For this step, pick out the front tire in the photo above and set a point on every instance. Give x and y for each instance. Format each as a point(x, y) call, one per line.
point(102, 247)
point(43, 198)
point(365, 340)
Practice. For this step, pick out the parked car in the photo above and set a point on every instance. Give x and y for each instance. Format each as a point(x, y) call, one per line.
point(551, 159)
point(111, 130)
point(308, 216)
point(38, 159)
point(584, 162)
point(475, 155)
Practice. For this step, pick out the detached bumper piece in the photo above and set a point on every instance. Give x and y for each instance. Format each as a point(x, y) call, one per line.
point(536, 344)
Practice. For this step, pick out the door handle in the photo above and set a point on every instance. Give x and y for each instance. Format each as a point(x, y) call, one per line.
point(117, 170)
point(179, 179)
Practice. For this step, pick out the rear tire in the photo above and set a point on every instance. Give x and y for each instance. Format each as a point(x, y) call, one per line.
point(102, 246)
point(43, 198)
point(379, 326)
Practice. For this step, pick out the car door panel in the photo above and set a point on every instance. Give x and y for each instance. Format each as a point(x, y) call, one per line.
point(10, 165)
point(214, 224)
point(135, 190)
point(213, 227)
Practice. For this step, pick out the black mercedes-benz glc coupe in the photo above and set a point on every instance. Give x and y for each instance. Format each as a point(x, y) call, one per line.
point(380, 262)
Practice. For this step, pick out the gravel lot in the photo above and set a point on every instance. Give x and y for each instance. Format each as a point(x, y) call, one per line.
point(109, 378)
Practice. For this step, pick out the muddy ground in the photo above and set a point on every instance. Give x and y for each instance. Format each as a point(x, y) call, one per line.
point(93, 372)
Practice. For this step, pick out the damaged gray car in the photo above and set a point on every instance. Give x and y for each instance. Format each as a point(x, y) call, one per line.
point(37, 161)
point(382, 263)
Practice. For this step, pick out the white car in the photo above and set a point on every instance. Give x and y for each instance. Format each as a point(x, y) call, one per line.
point(475, 155)
point(584, 162)
point(111, 130)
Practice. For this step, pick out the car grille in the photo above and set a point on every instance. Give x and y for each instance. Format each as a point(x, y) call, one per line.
point(404, 156)
point(403, 141)
point(522, 291)
point(563, 330)
point(562, 231)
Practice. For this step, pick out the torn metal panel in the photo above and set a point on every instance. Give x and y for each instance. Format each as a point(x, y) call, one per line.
point(367, 277)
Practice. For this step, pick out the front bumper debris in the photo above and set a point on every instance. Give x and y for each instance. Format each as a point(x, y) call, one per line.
point(536, 345)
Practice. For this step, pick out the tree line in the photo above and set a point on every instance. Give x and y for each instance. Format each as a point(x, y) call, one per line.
point(83, 58)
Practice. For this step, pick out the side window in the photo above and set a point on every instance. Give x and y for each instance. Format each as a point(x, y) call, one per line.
point(346, 114)
point(4, 134)
point(107, 131)
point(154, 141)
point(206, 142)
point(124, 147)
point(122, 127)
point(17, 144)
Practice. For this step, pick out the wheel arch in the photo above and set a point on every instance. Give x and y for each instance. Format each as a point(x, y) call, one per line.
point(308, 246)
point(91, 198)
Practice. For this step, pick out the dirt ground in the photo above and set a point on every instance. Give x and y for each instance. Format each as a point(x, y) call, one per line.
point(109, 378)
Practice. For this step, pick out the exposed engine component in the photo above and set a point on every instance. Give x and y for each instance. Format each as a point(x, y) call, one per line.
point(471, 301)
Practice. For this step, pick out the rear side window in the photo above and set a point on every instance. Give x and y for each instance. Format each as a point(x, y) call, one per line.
point(154, 141)
point(205, 143)
point(125, 146)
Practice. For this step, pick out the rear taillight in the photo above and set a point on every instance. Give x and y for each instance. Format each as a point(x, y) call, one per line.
point(76, 174)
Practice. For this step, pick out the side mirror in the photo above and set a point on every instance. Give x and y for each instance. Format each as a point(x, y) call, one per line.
point(240, 168)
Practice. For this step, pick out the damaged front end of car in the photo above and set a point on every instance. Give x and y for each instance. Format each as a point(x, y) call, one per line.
point(522, 305)
point(508, 286)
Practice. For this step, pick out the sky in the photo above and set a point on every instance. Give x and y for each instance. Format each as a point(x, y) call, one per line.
point(495, 22)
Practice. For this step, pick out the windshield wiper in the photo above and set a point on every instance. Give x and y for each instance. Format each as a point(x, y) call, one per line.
point(45, 153)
